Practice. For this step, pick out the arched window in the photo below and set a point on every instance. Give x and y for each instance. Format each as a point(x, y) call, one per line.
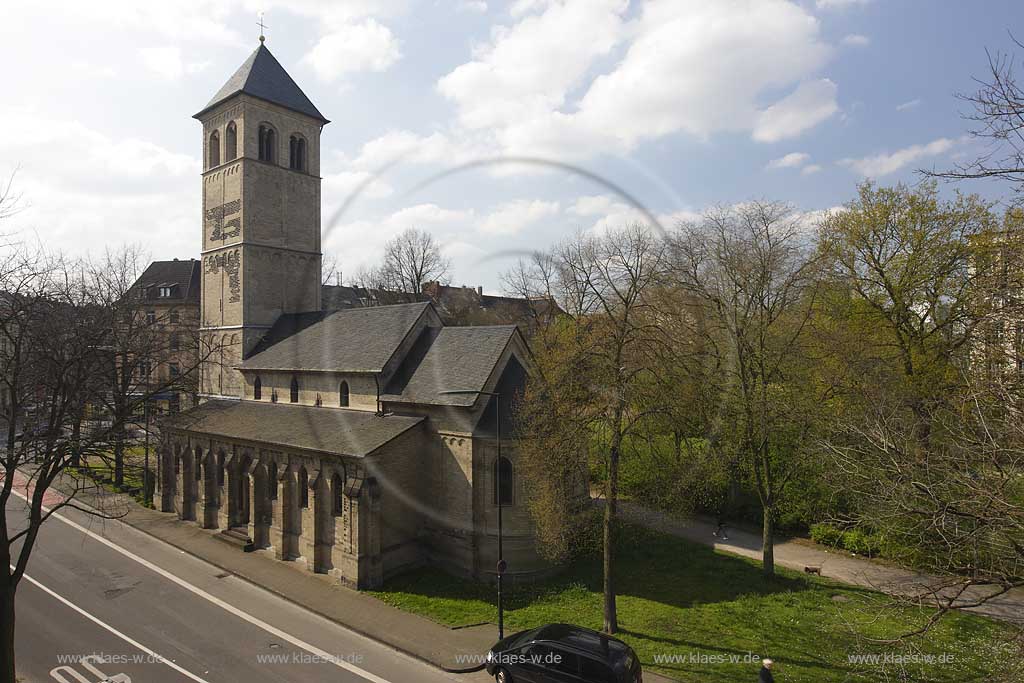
point(297, 153)
point(338, 494)
point(214, 149)
point(267, 143)
point(230, 142)
point(343, 395)
point(503, 481)
point(303, 487)
point(257, 388)
point(272, 481)
point(294, 395)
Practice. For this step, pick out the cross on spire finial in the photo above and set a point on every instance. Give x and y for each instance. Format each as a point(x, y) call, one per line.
point(262, 26)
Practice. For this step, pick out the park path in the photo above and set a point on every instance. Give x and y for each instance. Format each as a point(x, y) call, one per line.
point(839, 565)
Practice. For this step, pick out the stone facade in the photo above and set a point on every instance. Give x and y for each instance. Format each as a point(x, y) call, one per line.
point(355, 443)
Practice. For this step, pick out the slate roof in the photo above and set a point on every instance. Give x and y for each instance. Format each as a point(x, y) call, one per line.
point(457, 358)
point(182, 276)
point(355, 433)
point(350, 340)
point(262, 76)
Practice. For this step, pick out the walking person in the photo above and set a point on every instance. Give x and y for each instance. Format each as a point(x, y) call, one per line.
point(720, 531)
point(766, 672)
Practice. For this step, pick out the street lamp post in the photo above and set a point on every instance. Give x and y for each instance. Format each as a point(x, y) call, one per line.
point(502, 565)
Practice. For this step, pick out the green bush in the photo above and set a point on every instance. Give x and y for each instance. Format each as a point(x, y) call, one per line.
point(860, 542)
point(826, 534)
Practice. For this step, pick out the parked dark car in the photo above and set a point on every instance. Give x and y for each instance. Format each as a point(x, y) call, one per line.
point(560, 653)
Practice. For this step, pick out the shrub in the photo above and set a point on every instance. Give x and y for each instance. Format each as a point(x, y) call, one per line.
point(860, 542)
point(826, 534)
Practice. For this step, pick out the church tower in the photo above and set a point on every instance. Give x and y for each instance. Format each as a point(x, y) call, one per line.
point(261, 214)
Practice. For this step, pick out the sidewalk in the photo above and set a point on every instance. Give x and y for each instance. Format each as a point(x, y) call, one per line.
point(835, 564)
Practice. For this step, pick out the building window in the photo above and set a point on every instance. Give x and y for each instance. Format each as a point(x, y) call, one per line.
point(214, 149)
point(267, 143)
point(150, 317)
point(174, 404)
point(303, 488)
point(172, 368)
point(338, 494)
point(503, 481)
point(272, 481)
point(174, 316)
point(297, 153)
point(165, 291)
point(293, 395)
point(175, 341)
point(343, 395)
point(230, 142)
point(257, 389)
point(145, 368)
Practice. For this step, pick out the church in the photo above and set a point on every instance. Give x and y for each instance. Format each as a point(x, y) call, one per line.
point(359, 442)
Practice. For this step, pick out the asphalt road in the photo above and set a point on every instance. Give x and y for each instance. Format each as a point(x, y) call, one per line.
point(103, 601)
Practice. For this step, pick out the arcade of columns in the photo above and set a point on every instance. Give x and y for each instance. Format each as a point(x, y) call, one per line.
point(325, 512)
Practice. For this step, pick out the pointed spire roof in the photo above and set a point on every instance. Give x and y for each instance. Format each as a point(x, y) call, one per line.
point(262, 76)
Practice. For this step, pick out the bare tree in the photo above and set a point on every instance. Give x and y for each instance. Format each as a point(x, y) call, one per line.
point(752, 268)
point(412, 259)
point(63, 346)
point(594, 365)
point(998, 116)
point(956, 510)
point(330, 269)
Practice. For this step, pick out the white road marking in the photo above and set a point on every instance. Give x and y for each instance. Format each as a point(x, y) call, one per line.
point(273, 630)
point(128, 639)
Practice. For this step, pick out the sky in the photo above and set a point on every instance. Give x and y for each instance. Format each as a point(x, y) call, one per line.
point(499, 127)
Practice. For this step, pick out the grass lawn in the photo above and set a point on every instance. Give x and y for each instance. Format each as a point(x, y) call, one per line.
point(687, 611)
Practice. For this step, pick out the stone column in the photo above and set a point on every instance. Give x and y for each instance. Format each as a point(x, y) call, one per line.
point(276, 503)
point(246, 481)
point(221, 464)
point(168, 479)
point(179, 480)
point(288, 515)
point(323, 516)
point(211, 496)
point(306, 516)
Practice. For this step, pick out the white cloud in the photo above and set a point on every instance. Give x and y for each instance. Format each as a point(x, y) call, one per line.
point(612, 213)
point(883, 164)
point(689, 66)
point(791, 160)
point(476, 6)
point(528, 68)
point(409, 147)
point(912, 104)
point(167, 62)
point(807, 106)
point(103, 190)
point(856, 40)
point(512, 217)
point(338, 186)
point(354, 47)
point(810, 169)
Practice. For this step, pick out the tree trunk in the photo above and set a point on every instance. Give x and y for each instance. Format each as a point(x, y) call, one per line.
point(7, 635)
point(611, 619)
point(768, 543)
point(119, 455)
